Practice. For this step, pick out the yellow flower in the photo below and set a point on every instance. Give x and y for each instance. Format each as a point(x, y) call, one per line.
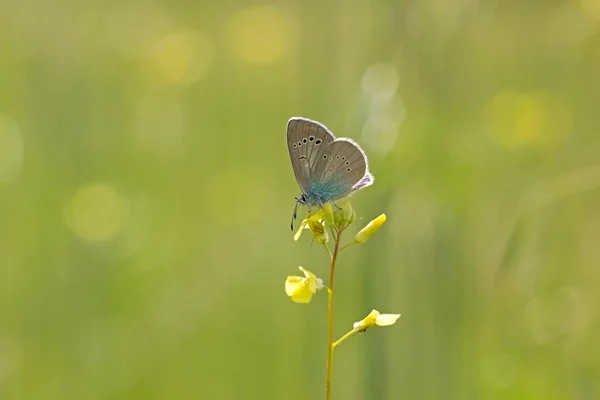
point(375, 319)
point(316, 224)
point(372, 227)
point(302, 289)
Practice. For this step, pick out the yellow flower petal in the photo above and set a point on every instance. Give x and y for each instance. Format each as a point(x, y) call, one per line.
point(297, 288)
point(386, 319)
point(301, 289)
point(375, 318)
point(316, 224)
point(293, 284)
point(303, 225)
point(370, 229)
point(302, 297)
point(318, 230)
point(311, 280)
point(366, 323)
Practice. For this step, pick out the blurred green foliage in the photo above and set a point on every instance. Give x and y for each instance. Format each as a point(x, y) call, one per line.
point(146, 191)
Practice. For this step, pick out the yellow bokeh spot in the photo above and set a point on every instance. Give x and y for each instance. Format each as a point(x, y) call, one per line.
point(260, 34)
point(11, 149)
point(520, 119)
point(592, 7)
point(183, 57)
point(96, 212)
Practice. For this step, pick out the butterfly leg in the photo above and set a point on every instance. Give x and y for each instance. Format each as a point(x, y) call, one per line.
point(299, 200)
point(294, 215)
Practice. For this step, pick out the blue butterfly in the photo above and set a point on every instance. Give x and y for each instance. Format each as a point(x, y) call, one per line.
point(326, 168)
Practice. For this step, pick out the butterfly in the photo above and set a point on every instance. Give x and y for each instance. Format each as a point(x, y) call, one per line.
point(326, 168)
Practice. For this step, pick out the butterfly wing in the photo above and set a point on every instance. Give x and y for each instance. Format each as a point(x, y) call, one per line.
point(341, 169)
point(306, 140)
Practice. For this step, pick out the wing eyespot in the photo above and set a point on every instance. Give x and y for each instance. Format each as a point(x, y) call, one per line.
point(304, 140)
point(299, 144)
point(318, 141)
point(310, 139)
point(294, 145)
point(347, 162)
point(325, 157)
point(349, 171)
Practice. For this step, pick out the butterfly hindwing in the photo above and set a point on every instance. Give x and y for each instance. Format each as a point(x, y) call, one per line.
point(342, 168)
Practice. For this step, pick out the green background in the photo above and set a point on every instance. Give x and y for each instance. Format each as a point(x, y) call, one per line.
point(146, 193)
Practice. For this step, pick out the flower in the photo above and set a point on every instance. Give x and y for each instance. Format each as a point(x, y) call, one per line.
point(316, 224)
point(302, 289)
point(375, 319)
point(372, 227)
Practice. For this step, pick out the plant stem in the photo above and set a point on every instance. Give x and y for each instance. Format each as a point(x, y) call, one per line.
point(328, 251)
point(346, 336)
point(348, 245)
point(330, 336)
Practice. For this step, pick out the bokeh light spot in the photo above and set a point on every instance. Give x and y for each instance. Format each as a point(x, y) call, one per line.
point(380, 79)
point(592, 7)
point(520, 119)
point(562, 313)
point(96, 212)
point(260, 34)
point(11, 149)
point(183, 57)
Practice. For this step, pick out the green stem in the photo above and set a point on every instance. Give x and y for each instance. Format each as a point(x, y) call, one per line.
point(330, 336)
point(328, 251)
point(346, 336)
point(348, 245)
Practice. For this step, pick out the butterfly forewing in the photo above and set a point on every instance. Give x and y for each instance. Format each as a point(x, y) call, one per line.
point(306, 141)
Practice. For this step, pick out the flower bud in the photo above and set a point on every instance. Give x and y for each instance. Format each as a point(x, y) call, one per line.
point(375, 319)
point(352, 218)
point(328, 214)
point(368, 231)
point(347, 212)
point(338, 216)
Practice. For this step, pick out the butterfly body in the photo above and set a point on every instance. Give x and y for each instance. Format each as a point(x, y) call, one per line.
point(320, 193)
point(326, 168)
